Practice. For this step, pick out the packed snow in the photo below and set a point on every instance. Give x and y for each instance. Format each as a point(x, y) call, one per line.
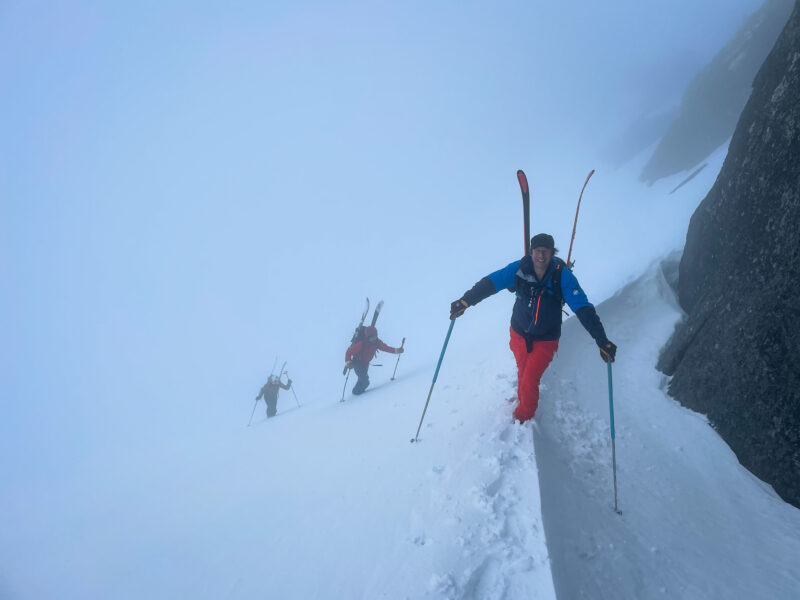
point(331, 500)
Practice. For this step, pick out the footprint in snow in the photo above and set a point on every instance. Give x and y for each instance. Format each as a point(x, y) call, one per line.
point(486, 581)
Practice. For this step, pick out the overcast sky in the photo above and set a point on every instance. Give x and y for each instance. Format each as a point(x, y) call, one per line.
point(189, 189)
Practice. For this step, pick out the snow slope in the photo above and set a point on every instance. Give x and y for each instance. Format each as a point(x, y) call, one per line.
point(363, 513)
point(695, 523)
point(330, 500)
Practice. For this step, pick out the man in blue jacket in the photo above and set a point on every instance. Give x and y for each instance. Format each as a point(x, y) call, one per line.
point(541, 282)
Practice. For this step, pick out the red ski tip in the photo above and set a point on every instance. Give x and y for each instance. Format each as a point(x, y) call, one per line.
point(523, 181)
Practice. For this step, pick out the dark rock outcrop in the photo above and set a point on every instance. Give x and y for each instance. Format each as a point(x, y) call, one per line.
point(714, 99)
point(736, 357)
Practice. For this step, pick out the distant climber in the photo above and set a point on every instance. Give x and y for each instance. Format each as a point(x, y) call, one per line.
point(366, 343)
point(269, 392)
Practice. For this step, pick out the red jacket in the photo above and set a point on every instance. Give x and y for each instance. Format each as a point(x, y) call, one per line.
point(365, 348)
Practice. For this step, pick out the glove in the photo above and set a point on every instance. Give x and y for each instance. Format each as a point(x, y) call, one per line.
point(348, 365)
point(289, 382)
point(399, 350)
point(608, 351)
point(457, 308)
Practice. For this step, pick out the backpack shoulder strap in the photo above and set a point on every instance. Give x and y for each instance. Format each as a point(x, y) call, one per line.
point(559, 270)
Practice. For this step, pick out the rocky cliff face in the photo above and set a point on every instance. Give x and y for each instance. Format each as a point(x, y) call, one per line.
point(736, 357)
point(714, 99)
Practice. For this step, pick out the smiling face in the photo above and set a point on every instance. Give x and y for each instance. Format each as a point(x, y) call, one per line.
point(541, 258)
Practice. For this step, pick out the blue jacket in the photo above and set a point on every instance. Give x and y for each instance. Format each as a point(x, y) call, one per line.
point(537, 311)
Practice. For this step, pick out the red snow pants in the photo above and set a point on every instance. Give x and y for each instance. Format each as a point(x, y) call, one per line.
point(530, 367)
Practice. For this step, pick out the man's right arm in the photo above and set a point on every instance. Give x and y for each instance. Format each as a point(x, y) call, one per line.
point(487, 286)
point(351, 351)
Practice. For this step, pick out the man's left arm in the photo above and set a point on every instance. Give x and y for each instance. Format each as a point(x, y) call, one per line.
point(387, 348)
point(576, 299)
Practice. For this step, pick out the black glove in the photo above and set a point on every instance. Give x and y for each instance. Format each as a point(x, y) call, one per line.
point(289, 382)
point(457, 308)
point(608, 351)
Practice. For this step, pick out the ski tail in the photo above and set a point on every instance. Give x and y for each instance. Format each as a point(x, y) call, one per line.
point(366, 310)
point(377, 313)
point(575, 223)
point(361, 324)
point(526, 210)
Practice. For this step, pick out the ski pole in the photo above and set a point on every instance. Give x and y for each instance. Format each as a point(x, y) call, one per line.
point(252, 413)
point(292, 388)
point(398, 358)
point(575, 223)
point(345, 383)
point(613, 449)
point(435, 375)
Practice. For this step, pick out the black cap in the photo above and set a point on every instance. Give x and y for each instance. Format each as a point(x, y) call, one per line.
point(543, 240)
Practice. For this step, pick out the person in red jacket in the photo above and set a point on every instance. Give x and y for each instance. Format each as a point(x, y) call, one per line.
point(361, 351)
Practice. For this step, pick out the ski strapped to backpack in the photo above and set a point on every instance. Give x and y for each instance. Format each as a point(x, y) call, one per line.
point(377, 313)
point(359, 327)
point(359, 332)
point(282, 371)
point(575, 223)
point(526, 215)
point(526, 210)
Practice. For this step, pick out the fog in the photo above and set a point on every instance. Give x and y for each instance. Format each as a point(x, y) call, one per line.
point(189, 191)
